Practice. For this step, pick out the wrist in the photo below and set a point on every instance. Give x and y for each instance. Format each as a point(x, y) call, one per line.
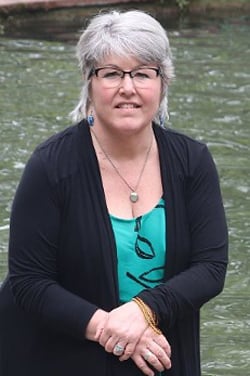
point(95, 325)
point(148, 314)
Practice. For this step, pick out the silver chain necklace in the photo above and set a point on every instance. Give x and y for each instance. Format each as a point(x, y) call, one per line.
point(134, 197)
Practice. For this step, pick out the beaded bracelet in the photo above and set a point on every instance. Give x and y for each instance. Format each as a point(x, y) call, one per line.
point(148, 315)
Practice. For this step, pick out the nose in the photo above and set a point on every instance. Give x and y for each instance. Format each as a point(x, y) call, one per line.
point(127, 84)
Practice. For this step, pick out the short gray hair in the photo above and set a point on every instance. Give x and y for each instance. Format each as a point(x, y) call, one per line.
point(134, 33)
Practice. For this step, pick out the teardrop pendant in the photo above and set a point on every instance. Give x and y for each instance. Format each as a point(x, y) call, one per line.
point(134, 197)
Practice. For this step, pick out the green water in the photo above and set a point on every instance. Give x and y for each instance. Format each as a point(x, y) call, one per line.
point(210, 100)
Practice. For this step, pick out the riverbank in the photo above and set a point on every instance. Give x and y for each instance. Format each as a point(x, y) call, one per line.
point(60, 19)
point(19, 5)
point(200, 6)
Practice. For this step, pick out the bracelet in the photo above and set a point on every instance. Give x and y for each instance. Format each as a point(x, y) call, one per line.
point(149, 316)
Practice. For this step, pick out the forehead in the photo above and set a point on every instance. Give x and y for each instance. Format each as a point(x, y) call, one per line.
point(124, 62)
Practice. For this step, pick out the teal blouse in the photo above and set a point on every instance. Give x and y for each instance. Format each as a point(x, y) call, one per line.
point(141, 251)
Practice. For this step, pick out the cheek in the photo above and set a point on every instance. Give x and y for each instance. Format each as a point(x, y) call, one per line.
point(100, 96)
point(156, 92)
point(155, 97)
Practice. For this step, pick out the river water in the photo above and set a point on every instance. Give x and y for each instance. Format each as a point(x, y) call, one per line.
point(209, 100)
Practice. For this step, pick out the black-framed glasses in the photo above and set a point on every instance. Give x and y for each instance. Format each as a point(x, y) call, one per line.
point(112, 76)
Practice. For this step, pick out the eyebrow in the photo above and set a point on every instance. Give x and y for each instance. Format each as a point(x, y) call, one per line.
point(117, 67)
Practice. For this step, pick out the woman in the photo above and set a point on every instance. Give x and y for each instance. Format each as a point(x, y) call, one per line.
point(118, 234)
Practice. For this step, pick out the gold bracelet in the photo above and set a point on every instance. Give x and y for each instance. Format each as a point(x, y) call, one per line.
point(149, 316)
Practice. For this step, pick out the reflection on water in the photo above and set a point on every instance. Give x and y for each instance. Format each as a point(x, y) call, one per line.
point(210, 100)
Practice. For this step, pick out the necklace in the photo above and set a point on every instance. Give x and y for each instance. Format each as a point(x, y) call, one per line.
point(134, 197)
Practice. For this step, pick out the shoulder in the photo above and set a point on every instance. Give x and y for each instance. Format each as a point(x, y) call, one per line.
point(179, 139)
point(182, 151)
point(57, 142)
point(58, 155)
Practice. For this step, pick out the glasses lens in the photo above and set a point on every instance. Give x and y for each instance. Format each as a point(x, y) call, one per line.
point(144, 76)
point(112, 77)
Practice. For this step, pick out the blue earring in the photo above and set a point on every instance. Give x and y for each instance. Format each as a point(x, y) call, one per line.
point(91, 119)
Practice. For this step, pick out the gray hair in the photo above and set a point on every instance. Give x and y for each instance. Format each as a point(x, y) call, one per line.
point(132, 33)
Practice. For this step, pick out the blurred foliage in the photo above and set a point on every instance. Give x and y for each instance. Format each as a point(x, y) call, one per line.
point(182, 4)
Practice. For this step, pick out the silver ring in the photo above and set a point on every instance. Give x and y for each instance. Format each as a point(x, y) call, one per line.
point(118, 349)
point(147, 355)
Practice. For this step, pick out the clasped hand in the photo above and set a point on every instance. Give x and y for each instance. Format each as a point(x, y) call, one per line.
point(125, 332)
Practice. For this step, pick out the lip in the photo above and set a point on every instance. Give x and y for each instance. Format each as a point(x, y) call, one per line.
point(127, 105)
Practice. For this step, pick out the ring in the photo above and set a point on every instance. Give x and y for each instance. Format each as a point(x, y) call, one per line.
point(118, 349)
point(147, 355)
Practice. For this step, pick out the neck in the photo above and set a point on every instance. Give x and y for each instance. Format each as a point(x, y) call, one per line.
point(134, 197)
point(119, 146)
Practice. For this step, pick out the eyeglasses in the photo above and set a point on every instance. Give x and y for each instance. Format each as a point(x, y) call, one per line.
point(112, 76)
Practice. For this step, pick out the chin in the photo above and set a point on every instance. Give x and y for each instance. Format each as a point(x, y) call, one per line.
point(132, 124)
point(129, 127)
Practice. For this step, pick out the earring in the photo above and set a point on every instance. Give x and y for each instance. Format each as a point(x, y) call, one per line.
point(91, 119)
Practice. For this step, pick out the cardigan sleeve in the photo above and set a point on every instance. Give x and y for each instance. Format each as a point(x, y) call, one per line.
point(203, 276)
point(33, 247)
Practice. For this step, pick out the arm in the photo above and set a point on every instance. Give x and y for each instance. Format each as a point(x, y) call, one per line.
point(204, 276)
point(34, 244)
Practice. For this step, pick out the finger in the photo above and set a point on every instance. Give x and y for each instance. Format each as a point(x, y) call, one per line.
point(157, 357)
point(110, 344)
point(119, 348)
point(126, 355)
point(163, 343)
point(98, 334)
point(152, 359)
point(144, 367)
point(163, 358)
point(104, 337)
point(129, 350)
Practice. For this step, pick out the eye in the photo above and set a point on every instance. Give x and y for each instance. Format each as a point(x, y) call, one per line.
point(110, 73)
point(142, 74)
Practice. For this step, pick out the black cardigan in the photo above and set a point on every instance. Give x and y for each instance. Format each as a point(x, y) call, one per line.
point(62, 258)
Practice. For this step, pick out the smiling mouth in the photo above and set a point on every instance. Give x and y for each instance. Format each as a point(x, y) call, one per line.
point(127, 105)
